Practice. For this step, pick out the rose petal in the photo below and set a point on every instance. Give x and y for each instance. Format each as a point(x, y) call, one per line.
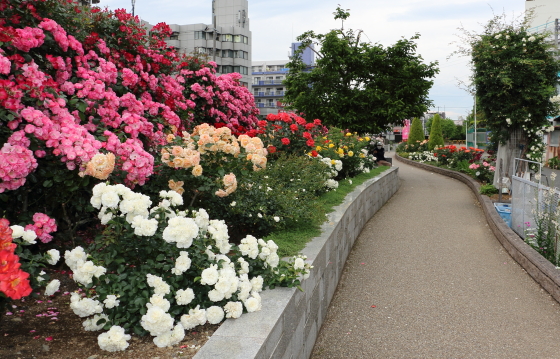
point(49, 339)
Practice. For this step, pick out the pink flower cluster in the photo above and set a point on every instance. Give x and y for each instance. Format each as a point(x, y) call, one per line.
point(16, 162)
point(43, 227)
point(132, 158)
point(474, 166)
point(28, 38)
point(90, 77)
point(72, 142)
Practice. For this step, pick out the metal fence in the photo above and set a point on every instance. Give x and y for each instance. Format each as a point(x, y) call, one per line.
point(529, 195)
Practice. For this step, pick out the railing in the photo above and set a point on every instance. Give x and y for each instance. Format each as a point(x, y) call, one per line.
point(268, 82)
point(526, 195)
point(269, 93)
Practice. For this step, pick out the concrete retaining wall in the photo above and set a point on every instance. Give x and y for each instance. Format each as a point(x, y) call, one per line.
point(540, 269)
point(289, 322)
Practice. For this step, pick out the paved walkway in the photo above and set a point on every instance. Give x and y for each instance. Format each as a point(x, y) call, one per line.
point(441, 283)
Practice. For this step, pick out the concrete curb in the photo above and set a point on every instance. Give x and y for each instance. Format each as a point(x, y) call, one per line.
point(289, 322)
point(540, 269)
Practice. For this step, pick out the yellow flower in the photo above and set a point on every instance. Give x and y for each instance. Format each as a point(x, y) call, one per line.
point(318, 148)
point(333, 162)
point(350, 153)
point(340, 151)
point(345, 147)
point(331, 145)
point(367, 139)
point(362, 155)
point(348, 134)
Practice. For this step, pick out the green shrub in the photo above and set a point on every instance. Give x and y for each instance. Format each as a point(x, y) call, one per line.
point(554, 163)
point(416, 131)
point(436, 135)
point(488, 189)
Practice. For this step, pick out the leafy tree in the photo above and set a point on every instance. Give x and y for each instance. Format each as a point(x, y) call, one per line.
point(514, 74)
point(436, 136)
point(356, 84)
point(416, 131)
point(448, 128)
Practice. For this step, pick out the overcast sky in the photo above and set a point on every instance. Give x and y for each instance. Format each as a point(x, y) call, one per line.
point(276, 23)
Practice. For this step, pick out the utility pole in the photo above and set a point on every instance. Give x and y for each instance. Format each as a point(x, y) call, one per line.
point(475, 139)
point(133, 3)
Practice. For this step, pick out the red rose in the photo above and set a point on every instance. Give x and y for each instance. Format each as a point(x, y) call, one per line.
point(293, 127)
point(310, 143)
point(314, 153)
point(307, 135)
point(271, 149)
point(285, 141)
point(15, 285)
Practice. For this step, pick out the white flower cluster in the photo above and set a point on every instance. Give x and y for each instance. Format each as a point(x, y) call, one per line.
point(181, 230)
point(301, 266)
point(83, 269)
point(91, 325)
point(182, 264)
point(54, 256)
point(52, 287)
point(253, 247)
point(426, 156)
point(84, 307)
point(113, 340)
point(159, 285)
point(111, 301)
point(29, 236)
point(109, 198)
point(160, 324)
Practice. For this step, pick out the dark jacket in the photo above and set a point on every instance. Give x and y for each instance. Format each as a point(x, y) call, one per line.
point(379, 154)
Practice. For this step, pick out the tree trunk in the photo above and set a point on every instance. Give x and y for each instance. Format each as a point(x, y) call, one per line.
point(515, 147)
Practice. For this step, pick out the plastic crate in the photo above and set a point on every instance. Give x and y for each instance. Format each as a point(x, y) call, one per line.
point(504, 210)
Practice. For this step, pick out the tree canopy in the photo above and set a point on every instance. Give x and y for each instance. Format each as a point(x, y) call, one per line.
point(356, 84)
point(515, 74)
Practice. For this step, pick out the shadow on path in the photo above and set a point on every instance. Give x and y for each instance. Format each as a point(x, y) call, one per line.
point(441, 283)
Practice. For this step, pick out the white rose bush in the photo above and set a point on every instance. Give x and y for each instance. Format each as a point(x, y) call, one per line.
point(160, 270)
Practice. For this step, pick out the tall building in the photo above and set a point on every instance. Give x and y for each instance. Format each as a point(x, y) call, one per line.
point(226, 40)
point(546, 11)
point(268, 80)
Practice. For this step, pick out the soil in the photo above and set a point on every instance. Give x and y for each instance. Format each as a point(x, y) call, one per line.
point(46, 327)
point(506, 198)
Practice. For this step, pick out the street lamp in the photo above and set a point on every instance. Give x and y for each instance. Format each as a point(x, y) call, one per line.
point(133, 3)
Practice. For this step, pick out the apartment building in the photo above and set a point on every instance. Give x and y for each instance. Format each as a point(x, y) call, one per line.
point(268, 80)
point(226, 40)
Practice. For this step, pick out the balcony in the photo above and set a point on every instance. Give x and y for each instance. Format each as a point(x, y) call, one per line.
point(269, 94)
point(268, 82)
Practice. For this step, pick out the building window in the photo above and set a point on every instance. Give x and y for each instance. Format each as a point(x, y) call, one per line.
point(256, 81)
point(237, 38)
point(199, 35)
point(227, 37)
point(174, 35)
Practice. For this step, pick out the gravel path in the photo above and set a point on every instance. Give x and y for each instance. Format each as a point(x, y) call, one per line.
point(441, 283)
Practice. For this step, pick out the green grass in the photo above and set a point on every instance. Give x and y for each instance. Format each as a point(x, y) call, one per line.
point(291, 241)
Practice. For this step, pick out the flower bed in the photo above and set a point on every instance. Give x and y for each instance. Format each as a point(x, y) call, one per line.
point(541, 270)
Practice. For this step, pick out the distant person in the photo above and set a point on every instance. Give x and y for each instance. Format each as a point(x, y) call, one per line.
point(379, 154)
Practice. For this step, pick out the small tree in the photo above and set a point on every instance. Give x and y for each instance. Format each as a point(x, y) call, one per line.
point(436, 135)
point(416, 131)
